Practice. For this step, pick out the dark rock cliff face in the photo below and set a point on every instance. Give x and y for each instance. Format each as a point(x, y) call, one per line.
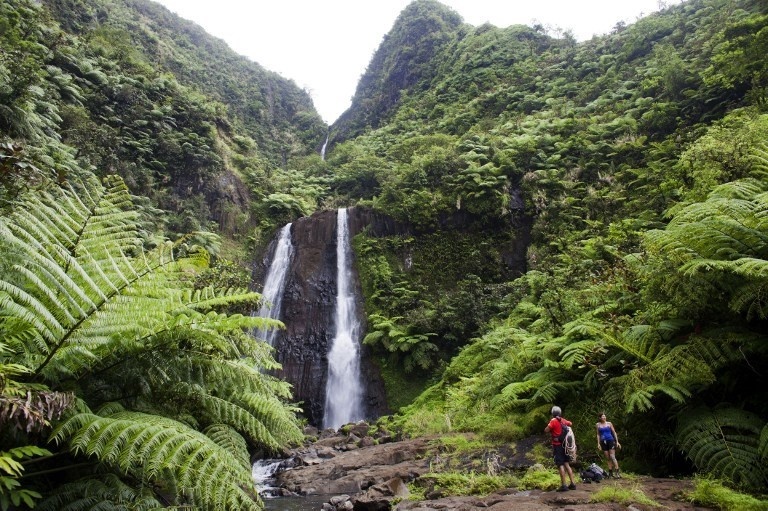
point(309, 301)
point(308, 308)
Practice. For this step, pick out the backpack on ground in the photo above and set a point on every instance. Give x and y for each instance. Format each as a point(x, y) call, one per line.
point(597, 469)
point(589, 476)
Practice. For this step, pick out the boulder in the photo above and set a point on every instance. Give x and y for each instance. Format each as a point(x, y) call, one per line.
point(355, 471)
point(379, 497)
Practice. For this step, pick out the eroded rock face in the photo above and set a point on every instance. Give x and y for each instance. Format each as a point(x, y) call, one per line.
point(308, 309)
point(309, 301)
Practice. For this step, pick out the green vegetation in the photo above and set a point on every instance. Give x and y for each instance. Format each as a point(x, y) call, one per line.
point(130, 89)
point(571, 223)
point(462, 483)
point(632, 171)
point(147, 383)
point(712, 493)
point(540, 478)
point(625, 496)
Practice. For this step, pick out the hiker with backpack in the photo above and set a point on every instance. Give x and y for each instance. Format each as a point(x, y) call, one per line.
point(608, 442)
point(559, 427)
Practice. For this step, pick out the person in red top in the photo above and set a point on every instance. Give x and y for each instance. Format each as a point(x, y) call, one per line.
point(562, 460)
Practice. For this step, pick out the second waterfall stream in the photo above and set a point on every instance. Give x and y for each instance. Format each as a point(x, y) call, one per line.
point(343, 391)
point(275, 283)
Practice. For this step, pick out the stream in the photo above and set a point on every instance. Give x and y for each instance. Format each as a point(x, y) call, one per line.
point(263, 472)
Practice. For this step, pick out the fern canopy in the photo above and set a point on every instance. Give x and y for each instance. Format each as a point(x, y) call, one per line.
point(92, 320)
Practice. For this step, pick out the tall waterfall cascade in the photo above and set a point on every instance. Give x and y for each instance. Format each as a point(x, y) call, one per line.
point(274, 284)
point(343, 394)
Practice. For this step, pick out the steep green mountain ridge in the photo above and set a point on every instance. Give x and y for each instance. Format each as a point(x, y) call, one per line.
point(632, 155)
point(140, 92)
point(582, 224)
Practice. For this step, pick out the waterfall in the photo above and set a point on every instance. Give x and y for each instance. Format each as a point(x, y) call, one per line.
point(272, 294)
point(343, 395)
point(322, 150)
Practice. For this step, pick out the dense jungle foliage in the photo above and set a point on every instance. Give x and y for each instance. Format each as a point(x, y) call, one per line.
point(128, 88)
point(640, 158)
point(630, 171)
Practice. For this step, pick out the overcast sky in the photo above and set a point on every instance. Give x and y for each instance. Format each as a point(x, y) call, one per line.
point(325, 46)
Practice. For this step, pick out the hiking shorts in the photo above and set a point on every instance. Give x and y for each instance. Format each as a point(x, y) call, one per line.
point(607, 445)
point(560, 457)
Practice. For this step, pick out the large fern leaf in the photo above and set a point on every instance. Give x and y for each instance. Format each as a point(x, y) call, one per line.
point(87, 308)
point(152, 448)
point(107, 492)
point(725, 442)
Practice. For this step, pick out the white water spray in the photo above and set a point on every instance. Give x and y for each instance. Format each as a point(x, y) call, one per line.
point(274, 284)
point(343, 394)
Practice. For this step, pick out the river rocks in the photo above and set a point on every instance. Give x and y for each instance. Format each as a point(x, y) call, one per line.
point(379, 497)
point(375, 478)
point(353, 471)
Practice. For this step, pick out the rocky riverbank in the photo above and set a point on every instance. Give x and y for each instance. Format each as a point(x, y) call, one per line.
point(362, 472)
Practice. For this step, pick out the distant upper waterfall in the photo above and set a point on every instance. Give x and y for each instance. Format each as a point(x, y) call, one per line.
point(322, 150)
point(274, 284)
point(343, 393)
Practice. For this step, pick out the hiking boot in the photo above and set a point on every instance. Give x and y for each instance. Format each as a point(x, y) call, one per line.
point(571, 486)
point(617, 475)
point(610, 475)
point(562, 488)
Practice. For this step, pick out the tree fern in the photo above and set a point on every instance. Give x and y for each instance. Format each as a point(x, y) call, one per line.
point(106, 492)
point(88, 308)
point(725, 236)
point(213, 389)
point(231, 441)
point(677, 373)
point(725, 442)
point(149, 448)
point(107, 294)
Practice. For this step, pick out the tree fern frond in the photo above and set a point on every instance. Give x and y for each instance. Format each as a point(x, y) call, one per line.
point(578, 352)
point(762, 450)
point(751, 299)
point(230, 440)
point(210, 298)
point(676, 372)
point(639, 400)
point(513, 392)
point(105, 493)
point(596, 330)
point(276, 416)
point(85, 306)
point(748, 267)
point(25, 306)
point(737, 194)
point(159, 447)
point(725, 442)
point(235, 415)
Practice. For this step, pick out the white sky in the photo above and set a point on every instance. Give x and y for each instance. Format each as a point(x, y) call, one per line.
point(325, 46)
